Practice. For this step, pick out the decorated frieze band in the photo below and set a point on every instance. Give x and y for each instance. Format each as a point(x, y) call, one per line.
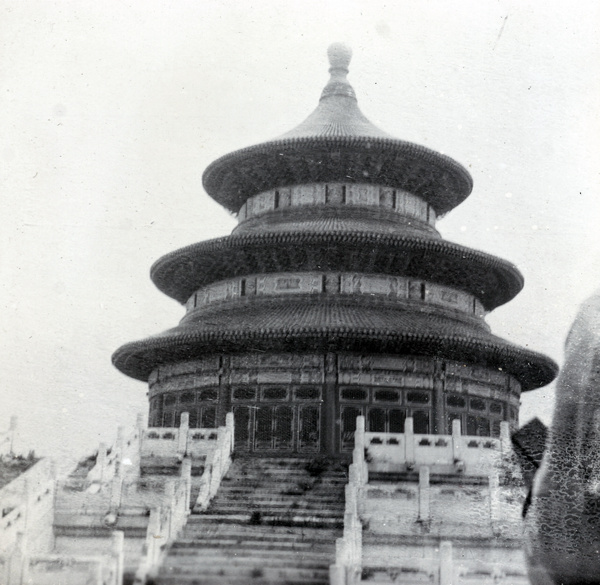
point(303, 283)
point(350, 194)
point(417, 373)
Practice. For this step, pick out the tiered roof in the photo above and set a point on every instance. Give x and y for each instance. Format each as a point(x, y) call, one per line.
point(336, 144)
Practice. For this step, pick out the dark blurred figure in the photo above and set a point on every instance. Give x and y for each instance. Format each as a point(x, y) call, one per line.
point(562, 514)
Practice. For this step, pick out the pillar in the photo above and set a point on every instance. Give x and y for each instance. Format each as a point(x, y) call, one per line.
point(229, 425)
point(506, 444)
point(101, 462)
point(14, 421)
point(446, 563)
point(184, 427)
point(186, 474)
point(409, 442)
point(424, 494)
point(456, 440)
point(118, 539)
point(17, 561)
point(330, 421)
point(337, 575)
point(494, 488)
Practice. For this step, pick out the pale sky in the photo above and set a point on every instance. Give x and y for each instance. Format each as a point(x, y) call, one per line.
point(112, 110)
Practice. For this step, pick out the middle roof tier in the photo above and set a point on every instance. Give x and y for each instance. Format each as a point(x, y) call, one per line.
point(491, 280)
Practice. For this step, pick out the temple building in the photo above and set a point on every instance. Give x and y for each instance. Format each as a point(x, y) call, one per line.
point(331, 409)
point(334, 297)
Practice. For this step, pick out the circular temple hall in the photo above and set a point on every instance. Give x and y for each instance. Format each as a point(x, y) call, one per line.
point(335, 296)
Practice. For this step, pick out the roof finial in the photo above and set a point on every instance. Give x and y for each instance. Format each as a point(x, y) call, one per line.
point(339, 55)
point(339, 58)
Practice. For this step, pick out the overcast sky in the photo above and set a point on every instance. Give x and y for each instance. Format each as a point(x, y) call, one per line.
point(112, 110)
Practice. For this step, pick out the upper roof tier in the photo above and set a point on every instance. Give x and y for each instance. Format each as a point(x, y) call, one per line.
point(337, 143)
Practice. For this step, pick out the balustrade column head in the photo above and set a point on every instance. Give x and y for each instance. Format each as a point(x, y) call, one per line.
point(424, 494)
point(116, 489)
point(360, 424)
point(20, 542)
point(446, 563)
point(456, 428)
point(350, 493)
point(154, 521)
point(456, 445)
point(409, 442)
point(184, 421)
point(494, 478)
point(169, 493)
point(186, 468)
point(505, 442)
point(337, 575)
point(117, 540)
point(424, 476)
point(101, 457)
point(354, 475)
point(140, 422)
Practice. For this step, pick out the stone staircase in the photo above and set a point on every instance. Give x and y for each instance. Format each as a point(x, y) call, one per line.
point(273, 521)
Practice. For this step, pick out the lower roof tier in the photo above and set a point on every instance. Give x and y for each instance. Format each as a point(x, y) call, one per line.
point(492, 280)
point(324, 326)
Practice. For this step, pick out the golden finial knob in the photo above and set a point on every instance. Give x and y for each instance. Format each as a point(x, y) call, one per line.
point(339, 55)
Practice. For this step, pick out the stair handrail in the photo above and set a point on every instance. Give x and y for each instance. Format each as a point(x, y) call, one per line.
point(217, 464)
point(348, 559)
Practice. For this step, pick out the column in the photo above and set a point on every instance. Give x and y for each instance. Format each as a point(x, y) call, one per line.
point(330, 421)
point(424, 494)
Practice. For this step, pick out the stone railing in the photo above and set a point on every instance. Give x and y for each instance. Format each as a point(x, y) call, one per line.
point(178, 441)
point(20, 567)
point(123, 457)
point(165, 522)
point(446, 570)
point(216, 465)
point(348, 550)
point(441, 453)
point(26, 505)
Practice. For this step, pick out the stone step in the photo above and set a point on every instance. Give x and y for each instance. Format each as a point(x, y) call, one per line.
point(267, 519)
point(270, 479)
point(287, 500)
point(197, 525)
point(248, 496)
point(258, 516)
point(244, 540)
point(243, 561)
point(271, 522)
point(223, 503)
point(276, 470)
point(293, 488)
point(272, 574)
point(235, 580)
point(300, 507)
point(252, 549)
point(286, 461)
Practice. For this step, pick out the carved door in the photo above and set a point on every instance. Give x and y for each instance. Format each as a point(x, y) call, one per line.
point(277, 428)
point(309, 425)
point(348, 426)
